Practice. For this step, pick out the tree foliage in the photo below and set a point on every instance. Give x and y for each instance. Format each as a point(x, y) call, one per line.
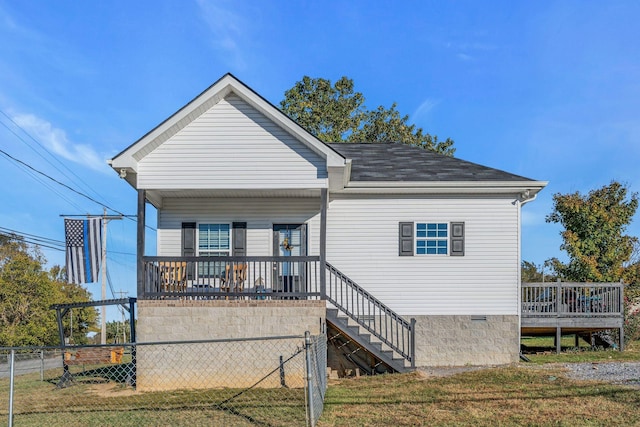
point(27, 291)
point(336, 113)
point(593, 236)
point(531, 273)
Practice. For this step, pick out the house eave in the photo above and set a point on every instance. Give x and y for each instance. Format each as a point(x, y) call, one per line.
point(444, 187)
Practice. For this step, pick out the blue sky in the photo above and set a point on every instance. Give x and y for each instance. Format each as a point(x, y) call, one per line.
point(548, 90)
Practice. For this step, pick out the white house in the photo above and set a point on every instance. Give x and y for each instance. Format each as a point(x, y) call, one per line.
point(260, 221)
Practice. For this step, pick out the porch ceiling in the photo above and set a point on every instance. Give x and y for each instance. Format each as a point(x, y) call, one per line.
point(156, 196)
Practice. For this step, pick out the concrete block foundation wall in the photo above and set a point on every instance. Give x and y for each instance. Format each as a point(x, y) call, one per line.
point(234, 364)
point(467, 340)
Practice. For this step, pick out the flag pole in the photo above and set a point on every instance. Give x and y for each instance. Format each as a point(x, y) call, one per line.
point(103, 316)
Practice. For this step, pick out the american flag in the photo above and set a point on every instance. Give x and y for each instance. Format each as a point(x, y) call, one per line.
point(84, 244)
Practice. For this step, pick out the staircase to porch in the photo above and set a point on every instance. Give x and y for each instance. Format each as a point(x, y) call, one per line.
point(367, 332)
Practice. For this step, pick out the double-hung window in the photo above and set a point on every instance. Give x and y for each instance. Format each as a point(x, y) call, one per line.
point(432, 238)
point(214, 240)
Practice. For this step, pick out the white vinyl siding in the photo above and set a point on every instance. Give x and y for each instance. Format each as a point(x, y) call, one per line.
point(362, 242)
point(259, 213)
point(232, 146)
point(483, 282)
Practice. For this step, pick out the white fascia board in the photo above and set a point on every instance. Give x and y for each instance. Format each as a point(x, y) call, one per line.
point(446, 187)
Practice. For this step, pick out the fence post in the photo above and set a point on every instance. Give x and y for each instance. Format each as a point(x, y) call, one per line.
point(41, 365)
point(307, 351)
point(12, 371)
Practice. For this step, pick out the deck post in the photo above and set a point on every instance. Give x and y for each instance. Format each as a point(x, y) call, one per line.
point(140, 242)
point(621, 333)
point(323, 243)
point(558, 339)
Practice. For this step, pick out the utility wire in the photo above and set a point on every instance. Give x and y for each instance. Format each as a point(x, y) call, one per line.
point(79, 180)
point(46, 241)
point(68, 187)
point(58, 182)
point(46, 184)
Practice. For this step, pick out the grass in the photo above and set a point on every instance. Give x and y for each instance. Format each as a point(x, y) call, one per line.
point(571, 354)
point(527, 394)
point(98, 401)
point(511, 396)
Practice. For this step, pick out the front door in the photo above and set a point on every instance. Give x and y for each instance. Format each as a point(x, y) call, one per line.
point(289, 240)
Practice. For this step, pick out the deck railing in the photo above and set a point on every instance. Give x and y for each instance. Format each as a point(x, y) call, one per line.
point(564, 299)
point(294, 277)
point(370, 313)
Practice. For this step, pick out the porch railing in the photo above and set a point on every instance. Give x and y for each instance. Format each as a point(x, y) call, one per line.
point(564, 299)
point(370, 313)
point(262, 278)
point(293, 277)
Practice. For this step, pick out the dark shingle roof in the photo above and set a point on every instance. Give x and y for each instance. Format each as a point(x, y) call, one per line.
point(402, 162)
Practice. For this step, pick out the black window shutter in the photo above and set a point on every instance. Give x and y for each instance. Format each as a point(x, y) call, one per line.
point(189, 245)
point(405, 239)
point(239, 239)
point(457, 239)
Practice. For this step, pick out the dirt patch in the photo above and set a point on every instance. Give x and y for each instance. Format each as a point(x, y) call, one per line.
point(446, 371)
point(111, 390)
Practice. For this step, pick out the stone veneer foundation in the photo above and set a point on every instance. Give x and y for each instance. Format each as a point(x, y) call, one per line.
point(467, 340)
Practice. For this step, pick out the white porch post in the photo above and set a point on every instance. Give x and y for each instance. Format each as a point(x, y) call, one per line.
point(323, 242)
point(140, 242)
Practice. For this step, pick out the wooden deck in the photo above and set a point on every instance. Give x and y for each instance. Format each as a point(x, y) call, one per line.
point(563, 307)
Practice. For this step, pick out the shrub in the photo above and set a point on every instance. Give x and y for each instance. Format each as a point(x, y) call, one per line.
point(631, 320)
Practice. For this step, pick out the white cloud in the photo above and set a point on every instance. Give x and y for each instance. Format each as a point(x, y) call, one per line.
point(227, 27)
point(56, 141)
point(424, 109)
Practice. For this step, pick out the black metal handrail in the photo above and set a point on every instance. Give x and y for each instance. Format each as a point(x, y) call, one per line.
point(370, 313)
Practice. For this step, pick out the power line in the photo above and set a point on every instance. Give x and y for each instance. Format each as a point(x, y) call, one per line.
point(45, 184)
point(46, 242)
point(58, 182)
point(79, 180)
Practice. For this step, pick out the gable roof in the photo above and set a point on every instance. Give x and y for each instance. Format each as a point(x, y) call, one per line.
point(402, 162)
point(395, 168)
point(126, 162)
point(387, 168)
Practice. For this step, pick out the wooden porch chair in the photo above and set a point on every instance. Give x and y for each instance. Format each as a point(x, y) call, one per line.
point(233, 280)
point(173, 276)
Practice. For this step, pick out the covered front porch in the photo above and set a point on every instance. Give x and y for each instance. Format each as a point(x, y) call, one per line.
point(247, 277)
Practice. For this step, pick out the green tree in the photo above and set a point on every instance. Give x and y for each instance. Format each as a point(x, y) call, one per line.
point(117, 330)
point(27, 291)
point(531, 273)
point(336, 113)
point(593, 236)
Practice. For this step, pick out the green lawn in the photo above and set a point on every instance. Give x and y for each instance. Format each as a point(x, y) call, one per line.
point(525, 394)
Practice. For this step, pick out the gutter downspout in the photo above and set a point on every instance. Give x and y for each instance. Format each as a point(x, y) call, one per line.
point(526, 198)
point(522, 200)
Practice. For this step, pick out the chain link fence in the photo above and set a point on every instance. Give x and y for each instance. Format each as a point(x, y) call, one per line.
point(277, 381)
